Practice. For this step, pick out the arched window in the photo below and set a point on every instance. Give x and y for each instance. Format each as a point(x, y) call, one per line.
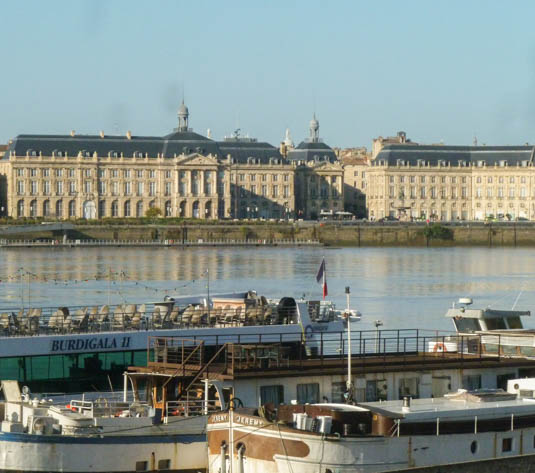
point(59, 209)
point(208, 210)
point(182, 209)
point(139, 209)
point(101, 208)
point(196, 209)
point(195, 182)
point(114, 209)
point(127, 208)
point(33, 208)
point(72, 208)
point(46, 208)
point(20, 208)
point(168, 208)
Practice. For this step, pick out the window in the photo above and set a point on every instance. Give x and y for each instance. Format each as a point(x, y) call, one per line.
point(443, 179)
point(523, 192)
point(409, 387)
point(102, 208)
point(511, 180)
point(253, 189)
point(164, 464)
point(264, 190)
point(274, 394)
point(275, 191)
point(422, 179)
point(433, 192)
point(479, 193)
point(87, 187)
point(87, 173)
point(523, 180)
point(286, 191)
point(20, 172)
point(71, 173)
point(275, 178)
point(489, 180)
point(489, 192)
point(242, 177)
point(338, 390)
point(46, 187)
point(413, 179)
point(20, 187)
point(422, 192)
point(142, 466)
point(33, 187)
point(114, 188)
point(152, 174)
point(507, 444)
point(72, 208)
point(139, 209)
point(308, 393)
point(127, 208)
point(20, 208)
point(167, 188)
point(33, 208)
point(46, 208)
point(253, 177)
point(168, 174)
point(433, 179)
point(72, 187)
point(139, 173)
point(391, 179)
point(126, 173)
point(127, 188)
point(464, 192)
point(101, 173)
point(168, 209)
point(152, 188)
point(139, 188)
point(478, 179)
point(114, 173)
point(264, 177)
point(376, 390)
point(472, 382)
point(114, 209)
point(33, 172)
point(101, 187)
point(511, 192)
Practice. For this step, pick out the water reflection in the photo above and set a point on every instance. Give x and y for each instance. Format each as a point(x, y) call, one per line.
point(405, 288)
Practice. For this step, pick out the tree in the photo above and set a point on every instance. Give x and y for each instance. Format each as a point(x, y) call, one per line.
point(153, 212)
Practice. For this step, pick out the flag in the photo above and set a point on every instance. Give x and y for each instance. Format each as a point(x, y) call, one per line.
point(321, 277)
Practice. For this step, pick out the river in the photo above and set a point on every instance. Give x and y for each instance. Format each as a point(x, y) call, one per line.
point(401, 287)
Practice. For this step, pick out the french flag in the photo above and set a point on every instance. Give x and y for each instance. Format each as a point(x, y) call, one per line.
point(321, 278)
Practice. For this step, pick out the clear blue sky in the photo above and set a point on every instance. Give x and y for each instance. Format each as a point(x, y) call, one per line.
point(440, 70)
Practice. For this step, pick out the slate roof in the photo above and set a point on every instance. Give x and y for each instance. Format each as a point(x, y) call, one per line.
point(175, 143)
point(312, 151)
point(432, 154)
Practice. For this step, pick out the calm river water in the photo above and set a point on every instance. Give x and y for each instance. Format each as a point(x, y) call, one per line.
point(404, 288)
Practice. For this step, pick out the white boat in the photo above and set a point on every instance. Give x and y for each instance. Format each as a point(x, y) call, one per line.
point(463, 430)
point(486, 331)
point(75, 349)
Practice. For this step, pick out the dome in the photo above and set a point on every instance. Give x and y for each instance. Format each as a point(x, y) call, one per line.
point(183, 110)
point(314, 124)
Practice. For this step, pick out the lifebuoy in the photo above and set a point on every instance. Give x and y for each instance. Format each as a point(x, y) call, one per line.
point(440, 347)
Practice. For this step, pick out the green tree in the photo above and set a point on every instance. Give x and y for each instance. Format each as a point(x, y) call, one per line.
point(153, 212)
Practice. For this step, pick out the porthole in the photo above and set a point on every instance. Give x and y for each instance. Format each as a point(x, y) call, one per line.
point(473, 447)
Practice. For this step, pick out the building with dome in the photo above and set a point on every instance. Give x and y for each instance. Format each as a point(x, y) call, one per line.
point(184, 173)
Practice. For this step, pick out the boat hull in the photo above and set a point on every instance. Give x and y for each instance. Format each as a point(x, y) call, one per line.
point(107, 454)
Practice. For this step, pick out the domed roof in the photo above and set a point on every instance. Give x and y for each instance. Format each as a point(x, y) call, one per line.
point(314, 124)
point(183, 110)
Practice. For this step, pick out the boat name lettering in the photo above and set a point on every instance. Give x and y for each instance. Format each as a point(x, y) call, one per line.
point(248, 420)
point(94, 343)
point(220, 418)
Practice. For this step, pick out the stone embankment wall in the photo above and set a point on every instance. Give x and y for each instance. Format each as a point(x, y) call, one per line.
point(374, 235)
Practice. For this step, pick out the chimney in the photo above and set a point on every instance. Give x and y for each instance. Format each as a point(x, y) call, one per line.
point(283, 150)
point(101, 134)
point(129, 135)
point(73, 133)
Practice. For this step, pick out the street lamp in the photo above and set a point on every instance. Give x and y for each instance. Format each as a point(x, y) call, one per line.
point(377, 324)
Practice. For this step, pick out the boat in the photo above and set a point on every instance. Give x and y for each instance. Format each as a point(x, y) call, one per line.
point(77, 348)
point(464, 430)
point(488, 331)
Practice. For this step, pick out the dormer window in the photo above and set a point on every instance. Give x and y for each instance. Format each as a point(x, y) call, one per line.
point(421, 162)
point(138, 154)
point(480, 163)
point(524, 164)
point(400, 162)
point(442, 163)
point(503, 163)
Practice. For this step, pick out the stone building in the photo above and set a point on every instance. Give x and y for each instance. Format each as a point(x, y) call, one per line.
point(400, 139)
point(319, 188)
point(439, 182)
point(355, 162)
point(183, 173)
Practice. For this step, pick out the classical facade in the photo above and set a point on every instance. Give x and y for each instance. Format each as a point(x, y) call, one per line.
point(439, 182)
point(184, 174)
point(355, 162)
point(319, 186)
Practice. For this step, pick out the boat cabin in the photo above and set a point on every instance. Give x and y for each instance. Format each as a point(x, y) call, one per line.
point(468, 320)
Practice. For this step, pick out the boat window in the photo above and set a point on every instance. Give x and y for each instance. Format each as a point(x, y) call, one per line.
point(473, 447)
point(274, 394)
point(495, 324)
point(376, 390)
point(142, 466)
point(514, 323)
point(409, 387)
point(338, 390)
point(164, 464)
point(507, 444)
point(308, 393)
point(464, 325)
point(471, 382)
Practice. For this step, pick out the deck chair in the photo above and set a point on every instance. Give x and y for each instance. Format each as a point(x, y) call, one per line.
point(196, 316)
point(55, 322)
point(33, 320)
point(229, 314)
point(187, 314)
point(156, 318)
point(119, 317)
point(4, 322)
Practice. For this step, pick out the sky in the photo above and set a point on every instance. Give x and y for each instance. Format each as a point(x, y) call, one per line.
point(442, 71)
